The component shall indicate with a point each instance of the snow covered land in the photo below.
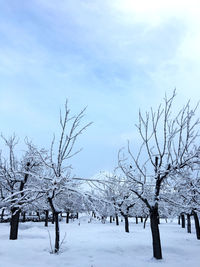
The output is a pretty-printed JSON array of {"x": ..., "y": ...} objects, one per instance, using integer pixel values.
[
  {"x": 98, "y": 77},
  {"x": 98, "y": 245}
]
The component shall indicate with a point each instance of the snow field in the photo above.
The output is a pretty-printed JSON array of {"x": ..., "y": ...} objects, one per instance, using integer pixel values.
[{"x": 98, "y": 245}]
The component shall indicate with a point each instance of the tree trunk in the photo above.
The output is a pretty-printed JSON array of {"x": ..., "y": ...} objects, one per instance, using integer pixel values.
[
  {"x": 110, "y": 219},
  {"x": 182, "y": 220},
  {"x": 57, "y": 233},
  {"x": 77, "y": 215},
  {"x": 126, "y": 224},
  {"x": 136, "y": 219},
  {"x": 38, "y": 214},
  {"x": 157, "y": 251},
  {"x": 14, "y": 224},
  {"x": 179, "y": 220},
  {"x": 197, "y": 227},
  {"x": 23, "y": 216},
  {"x": 2, "y": 214},
  {"x": 53, "y": 219},
  {"x": 67, "y": 217},
  {"x": 188, "y": 224},
  {"x": 46, "y": 218},
  {"x": 141, "y": 219},
  {"x": 117, "y": 220},
  {"x": 146, "y": 218}
]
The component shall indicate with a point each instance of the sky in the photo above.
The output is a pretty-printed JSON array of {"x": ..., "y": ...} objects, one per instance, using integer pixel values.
[{"x": 113, "y": 56}]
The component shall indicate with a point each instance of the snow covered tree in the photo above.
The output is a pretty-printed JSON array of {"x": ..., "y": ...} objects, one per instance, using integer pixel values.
[
  {"x": 18, "y": 184},
  {"x": 169, "y": 146},
  {"x": 57, "y": 179}
]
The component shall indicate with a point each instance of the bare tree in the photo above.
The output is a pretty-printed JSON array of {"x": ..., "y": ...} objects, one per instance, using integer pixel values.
[
  {"x": 169, "y": 145},
  {"x": 57, "y": 179}
]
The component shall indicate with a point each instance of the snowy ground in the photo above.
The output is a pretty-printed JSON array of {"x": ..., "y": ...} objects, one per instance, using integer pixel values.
[{"x": 98, "y": 245}]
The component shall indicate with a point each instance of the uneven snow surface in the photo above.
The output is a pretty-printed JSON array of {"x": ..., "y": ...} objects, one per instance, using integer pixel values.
[{"x": 97, "y": 245}]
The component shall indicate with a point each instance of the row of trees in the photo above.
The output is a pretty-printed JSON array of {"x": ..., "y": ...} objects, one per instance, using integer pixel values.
[{"x": 161, "y": 180}]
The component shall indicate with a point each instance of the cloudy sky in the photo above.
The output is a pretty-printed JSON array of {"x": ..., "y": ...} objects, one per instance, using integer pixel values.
[{"x": 114, "y": 56}]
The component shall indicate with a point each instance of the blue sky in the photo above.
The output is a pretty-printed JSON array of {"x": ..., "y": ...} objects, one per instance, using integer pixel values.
[{"x": 114, "y": 56}]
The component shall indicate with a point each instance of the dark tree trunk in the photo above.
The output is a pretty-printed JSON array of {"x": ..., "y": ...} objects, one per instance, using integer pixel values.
[
  {"x": 57, "y": 232},
  {"x": 188, "y": 224},
  {"x": 14, "y": 223},
  {"x": 157, "y": 251},
  {"x": 2, "y": 214},
  {"x": 77, "y": 215},
  {"x": 23, "y": 216},
  {"x": 136, "y": 219},
  {"x": 38, "y": 214},
  {"x": 141, "y": 219},
  {"x": 113, "y": 219},
  {"x": 46, "y": 218},
  {"x": 182, "y": 220},
  {"x": 15, "y": 212},
  {"x": 197, "y": 227},
  {"x": 145, "y": 221},
  {"x": 126, "y": 224},
  {"x": 117, "y": 220},
  {"x": 53, "y": 219},
  {"x": 67, "y": 217},
  {"x": 110, "y": 219},
  {"x": 179, "y": 220}
]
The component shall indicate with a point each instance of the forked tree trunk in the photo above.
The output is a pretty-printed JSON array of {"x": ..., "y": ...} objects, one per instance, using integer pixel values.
[
  {"x": 117, "y": 220},
  {"x": 157, "y": 251},
  {"x": 197, "y": 227},
  {"x": 126, "y": 224},
  {"x": 188, "y": 224},
  {"x": 14, "y": 224},
  {"x": 67, "y": 217},
  {"x": 46, "y": 218},
  {"x": 182, "y": 220}
]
